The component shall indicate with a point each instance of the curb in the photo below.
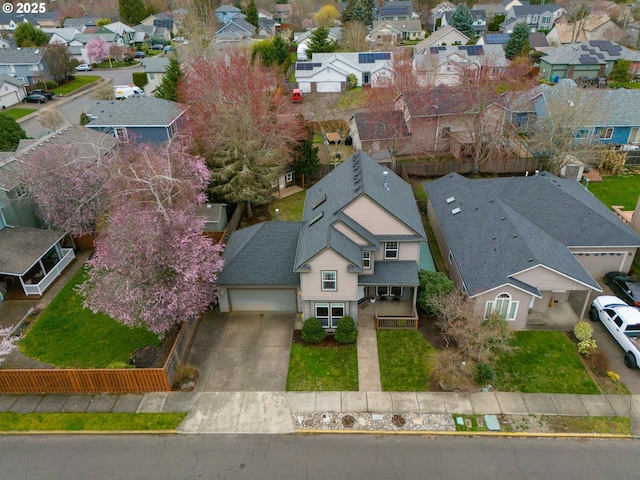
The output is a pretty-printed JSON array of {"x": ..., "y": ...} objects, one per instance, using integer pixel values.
[
  {"x": 91, "y": 432},
  {"x": 470, "y": 434}
]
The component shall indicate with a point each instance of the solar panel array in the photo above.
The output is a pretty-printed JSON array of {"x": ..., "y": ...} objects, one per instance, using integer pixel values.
[
  {"x": 394, "y": 11},
  {"x": 496, "y": 39},
  {"x": 435, "y": 50},
  {"x": 607, "y": 46},
  {"x": 472, "y": 50},
  {"x": 307, "y": 66},
  {"x": 373, "y": 57}
]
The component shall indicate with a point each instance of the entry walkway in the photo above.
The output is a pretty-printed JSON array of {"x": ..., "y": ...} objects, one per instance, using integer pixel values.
[{"x": 368, "y": 362}]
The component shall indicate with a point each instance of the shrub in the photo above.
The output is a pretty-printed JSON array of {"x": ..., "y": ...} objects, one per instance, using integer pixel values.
[
  {"x": 432, "y": 284},
  {"x": 483, "y": 374},
  {"x": 140, "y": 79},
  {"x": 50, "y": 85},
  {"x": 586, "y": 347},
  {"x": 352, "y": 81},
  {"x": 614, "y": 376},
  {"x": 312, "y": 331},
  {"x": 84, "y": 119},
  {"x": 346, "y": 332},
  {"x": 599, "y": 362},
  {"x": 184, "y": 373},
  {"x": 448, "y": 370},
  {"x": 582, "y": 331}
]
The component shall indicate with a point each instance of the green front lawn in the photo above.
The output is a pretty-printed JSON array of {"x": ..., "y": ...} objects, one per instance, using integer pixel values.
[
  {"x": 353, "y": 98},
  {"x": 543, "y": 362},
  {"x": 403, "y": 357},
  {"x": 69, "y": 336},
  {"x": 315, "y": 368},
  {"x": 17, "y": 113},
  {"x": 20, "y": 422},
  {"x": 621, "y": 190},
  {"x": 290, "y": 207},
  {"x": 73, "y": 85}
]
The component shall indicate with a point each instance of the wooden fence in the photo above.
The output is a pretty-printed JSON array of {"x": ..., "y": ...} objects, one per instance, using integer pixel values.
[
  {"x": 232, "y": 226},
  {"x": 127, "y": 380}
]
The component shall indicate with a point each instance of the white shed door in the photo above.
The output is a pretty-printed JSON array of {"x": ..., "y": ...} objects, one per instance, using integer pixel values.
[
  {"x": 325, "y": 87},
  {"x": 262, "y": 299}
]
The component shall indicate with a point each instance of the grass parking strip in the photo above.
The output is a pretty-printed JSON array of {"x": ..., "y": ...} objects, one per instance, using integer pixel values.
[{"x": 74, "y": 422}]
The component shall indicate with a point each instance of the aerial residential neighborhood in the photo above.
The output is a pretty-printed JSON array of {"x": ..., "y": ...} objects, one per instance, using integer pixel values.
[{"x": 300, "y": 217}]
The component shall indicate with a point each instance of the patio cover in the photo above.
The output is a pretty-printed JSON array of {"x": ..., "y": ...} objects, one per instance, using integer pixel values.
[
  {"x": 400, "y": 273},
  {"x": 22, "y": 247}
]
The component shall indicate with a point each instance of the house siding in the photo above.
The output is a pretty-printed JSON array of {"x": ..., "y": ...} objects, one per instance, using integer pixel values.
[
  {"x": 523, "y": 299},
  {"x": 311, "y": 282},
  {"x": 375, "y": 219},
  {"x": 350, "y": 234}
]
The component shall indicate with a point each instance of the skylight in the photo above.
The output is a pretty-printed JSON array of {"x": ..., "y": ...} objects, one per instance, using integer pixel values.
[
  {"x": 320, "y": 201},
  {"x": 316, "y": 218}
]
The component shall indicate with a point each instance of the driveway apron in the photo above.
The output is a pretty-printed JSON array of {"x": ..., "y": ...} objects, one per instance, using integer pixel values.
[{"x": 243, "y": 351}]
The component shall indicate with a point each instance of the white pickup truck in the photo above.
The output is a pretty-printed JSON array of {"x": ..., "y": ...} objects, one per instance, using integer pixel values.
[{"x": 623, "y": 322}]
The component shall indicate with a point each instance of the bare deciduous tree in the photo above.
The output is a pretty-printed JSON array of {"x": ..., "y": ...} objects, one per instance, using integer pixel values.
[
  {"x": 51, "y": 119},
  {"x": 354, "y": 37}
]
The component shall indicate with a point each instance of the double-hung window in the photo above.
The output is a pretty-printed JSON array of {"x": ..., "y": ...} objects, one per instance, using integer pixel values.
[
  {"x": 391, "y": 250},
  {"x": 329, "y": 280},
  {"x": 366, "y": 260}
]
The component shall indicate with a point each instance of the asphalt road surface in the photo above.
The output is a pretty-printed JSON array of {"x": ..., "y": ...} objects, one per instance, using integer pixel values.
[{"x": 313, "y": 457}]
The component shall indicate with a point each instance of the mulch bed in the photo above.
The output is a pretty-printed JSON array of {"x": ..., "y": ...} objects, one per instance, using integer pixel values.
[{"x": 328, "y": 342}]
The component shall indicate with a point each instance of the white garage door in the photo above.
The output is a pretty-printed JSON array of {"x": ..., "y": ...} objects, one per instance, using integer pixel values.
[
  {"x": 262, "y": 300},
  {"x": 328, "y": 87},
  {"x": 305, "y": 87},
  {"x": 599, "y": 263}
]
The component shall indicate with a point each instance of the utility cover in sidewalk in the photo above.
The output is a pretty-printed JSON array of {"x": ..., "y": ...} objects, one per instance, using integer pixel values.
[{"x": 492, "y": 423}]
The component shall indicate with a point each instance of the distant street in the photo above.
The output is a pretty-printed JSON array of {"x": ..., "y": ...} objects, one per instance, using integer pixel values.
[
  {"x": 73, "y": 108},
  {"x": 312, "y": 457}
]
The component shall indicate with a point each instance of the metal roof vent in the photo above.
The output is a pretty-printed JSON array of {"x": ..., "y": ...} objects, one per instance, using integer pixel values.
[
  {"x": 455, "y": 211},
  {"x": 385, "y": 176}
]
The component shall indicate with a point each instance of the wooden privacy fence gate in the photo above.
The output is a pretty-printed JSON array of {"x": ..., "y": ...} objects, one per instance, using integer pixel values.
[{"x": 127, "y": 380}]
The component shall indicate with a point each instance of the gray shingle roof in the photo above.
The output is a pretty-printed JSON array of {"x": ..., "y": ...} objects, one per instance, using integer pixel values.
[
  {"x": 507, "y": 225},
  {"x": 6, "y": 78},
  {"x": 358, "y": 176},
  {"x": 155, "y": 64},
  {"x": 402, "y": 273},
  {"x": 21, "y": 247},
  {"x": 21, "y": 56},
  {"x": 134, "y": 111},
  {"x": 591, "y": 52},
  {"x": 262, "y": 254}
]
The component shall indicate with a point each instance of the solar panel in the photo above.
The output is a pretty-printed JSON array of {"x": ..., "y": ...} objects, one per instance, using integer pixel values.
[
  {"x": 366, "y": 58},
  {"x": 600, "y": 56},
  {"x": 307, "y": 66},
  {"x": 434, "y": 50},
  {"x": 587, "y": 59},
  {"x": 584, "y": 47}
]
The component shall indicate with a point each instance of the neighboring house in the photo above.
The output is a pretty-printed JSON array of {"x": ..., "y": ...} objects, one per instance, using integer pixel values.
[
  {"x": 597, "y": 26},
  {"x": 155, "y": 68},
  {"x": 235, "y": 29},
  {"x": 610, "y": 116},
  {"x": 327, "y": 72},
  {"x": 479, "y": 21},
  {"x": 77, "y": 45},
  {"x": 143, "y": 119},
  {"x": 7, "y": 43},
  {"x": 81, "y": 23},
  {"x": 125, "y": 31},
  {"x": 443, "y": 7},
  {"x": 25, "y": 64},
  {"x": 360, "y": 237},
  {"x": 434, "y": 116},
  {"x": 537, "y": 17},
  {"x": 282, "y": 12},
  {"x": 302, "y": 40},
  {"x": 538, "y": 41},
  {"x": 32, "y": 256},
  {"x": 287, "y": 179},
  {"x": 507, "y": 5},
  {"x": 391, "y": 32},
  {"x": 493, "y": 39},
  {"x": 375, "y": 132},
  {"x": 520, "y": 244},
  {"x": 226, "y": 13},
  {"x": 9, "y": 21},
  {"x": 12, "y": 90},
  {"x": 61, "y": 35},
  {"x": 396, "y": 10},
  {"x": 443, "y": 36},
  {"x": 592, "y": 59},
  {"x": 443, "y": 65},
  {"x": 169, "y": 21}
]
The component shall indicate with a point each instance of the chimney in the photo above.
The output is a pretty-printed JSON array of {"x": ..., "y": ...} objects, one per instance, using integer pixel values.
[{"x": 385, "y": 175}]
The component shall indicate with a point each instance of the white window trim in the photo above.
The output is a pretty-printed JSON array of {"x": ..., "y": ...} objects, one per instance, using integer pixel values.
[
  {"x": 329, "y": 280},
  {"x": 290, "y": 177},
  {"x": 330, "y": 318},
  {"x": 366, "y": 260},
  {"x": 511, "y": 307},
  {"x": 388, "y": 250},
  {"x": 21, "y": 191},
  {"x": 606, "y": 133}
]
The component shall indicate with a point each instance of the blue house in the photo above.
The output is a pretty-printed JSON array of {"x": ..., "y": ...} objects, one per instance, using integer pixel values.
[
  {"x": 137, "y": 118},
  {"x": 607, "y": 116},
  {"x": 226, "y": 13},
  {"x": 26, "y": 64}
]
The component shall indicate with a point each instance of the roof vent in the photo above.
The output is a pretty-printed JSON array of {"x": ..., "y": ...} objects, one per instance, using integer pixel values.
[
  {"x": 451, "y": 199},
  {"x": 455, "y": 211},
  {"x": 385, "y": 176}
]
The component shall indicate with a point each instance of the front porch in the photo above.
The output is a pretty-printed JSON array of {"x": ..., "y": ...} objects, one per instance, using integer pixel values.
[{"x": 394, "y": 313}]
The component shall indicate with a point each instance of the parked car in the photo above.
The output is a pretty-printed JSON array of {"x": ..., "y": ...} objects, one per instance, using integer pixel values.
[
  {"x": 624, "y": 286},
  {"x": 35, "y": 98},
  {"x": 139, "y": 54},
  {"x": 157, "y": 46},
  {"x": 46, "y": 93},
  {"x": 168, "y": 48},
  {"x": 83, "y": 67},
  {"x": 623, "y": 323}
]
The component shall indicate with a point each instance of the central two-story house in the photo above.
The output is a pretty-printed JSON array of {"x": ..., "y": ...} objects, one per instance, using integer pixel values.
[{"x": 360, "y": 239}]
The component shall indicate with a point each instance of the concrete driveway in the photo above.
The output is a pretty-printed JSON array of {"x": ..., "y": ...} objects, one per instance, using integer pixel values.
[{"x": 237, "y": 352}]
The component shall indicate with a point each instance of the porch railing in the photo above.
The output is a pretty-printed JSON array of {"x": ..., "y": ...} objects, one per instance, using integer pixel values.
[
  {"x": 389, "y": 322},
  {"x": 56, "y": 271}
]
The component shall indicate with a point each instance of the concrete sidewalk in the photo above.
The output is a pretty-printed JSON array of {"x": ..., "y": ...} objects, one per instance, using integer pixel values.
[{"x": 276, "y": 412}]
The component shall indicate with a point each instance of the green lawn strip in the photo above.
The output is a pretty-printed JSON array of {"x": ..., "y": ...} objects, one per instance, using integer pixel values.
[
  {"x": 69, "y": 336},
  {"x": 22, "y": 422},
  {"x": 622, "y": 190},
  {"x": 73, "y": 85},
  {"x": 543, "y": 362},
  {"x": 566, "y": 424},
  {"x": 630, "y": 85},
  {"x": 17, "y": 113},
  {"x": 403, "y": 356},
  {"x": 290, "y": 208},
  {"x": 351, "y": 98},
  {"x": 313, "y": 368},
  {"x": 115, "y": 64},
  {"x": 472, "y": 420}
]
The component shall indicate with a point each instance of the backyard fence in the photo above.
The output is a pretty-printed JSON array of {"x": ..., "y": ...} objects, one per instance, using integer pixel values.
[
  {"x": 232, "y": 226},
  {"x": 126, "y": 380}
]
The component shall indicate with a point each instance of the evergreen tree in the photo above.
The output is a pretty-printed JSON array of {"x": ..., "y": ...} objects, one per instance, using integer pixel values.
[
  {"x": 462, "y": 20},
  {"x": 252, "y": 13},
  {"x": 132, "y": 12},
  {"x": 368, "y": 7},
  {"x": 281, "y": 53},
  {"x": 27, "y": 35},
  {"x": 348, "y": 13},
  {"x": 319, "y": 42},
  {"x": 518, "y": 43},
  {"x": 305, "y": 157},
  {"x": 10, "y": 133},
  {"x": 168, "y": 88}
]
